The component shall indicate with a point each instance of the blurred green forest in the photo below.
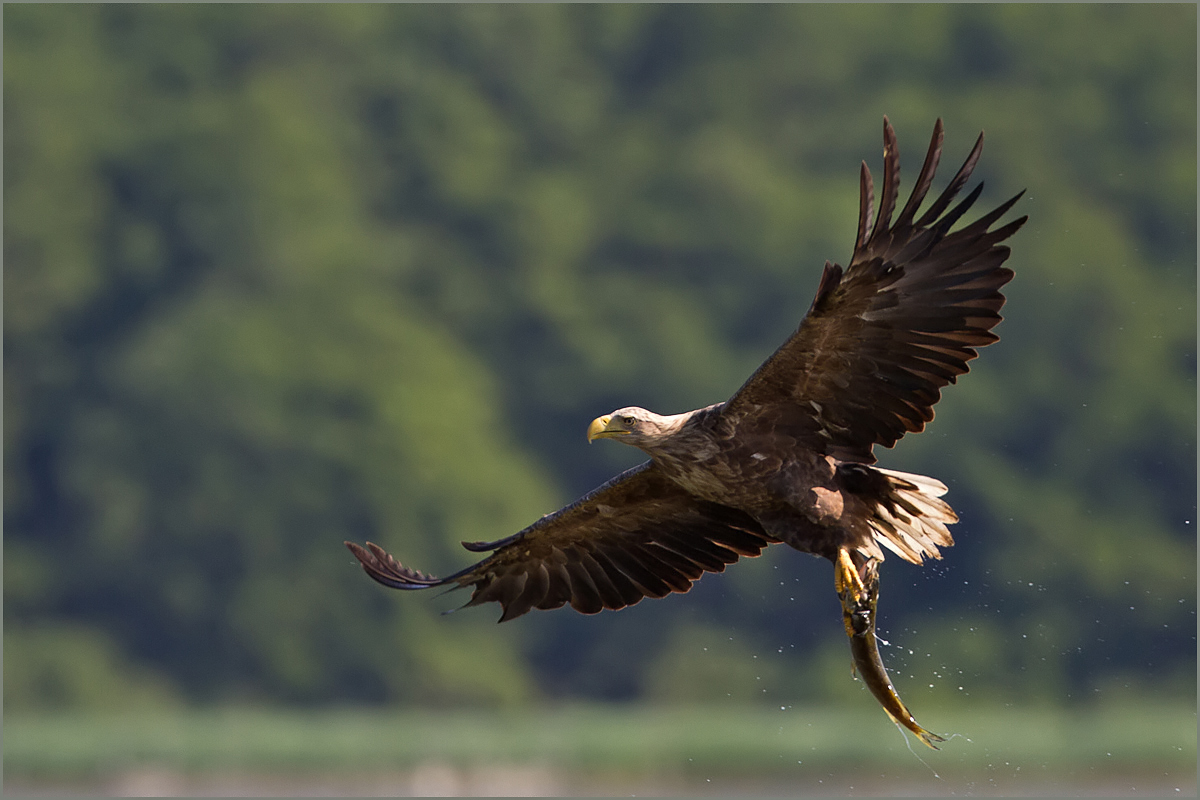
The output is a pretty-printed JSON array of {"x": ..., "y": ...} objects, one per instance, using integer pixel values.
[{"x": 282, "y": 275}]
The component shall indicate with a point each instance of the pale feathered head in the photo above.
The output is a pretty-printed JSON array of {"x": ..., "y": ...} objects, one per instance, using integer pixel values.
[{"x": 635, "y": 426}]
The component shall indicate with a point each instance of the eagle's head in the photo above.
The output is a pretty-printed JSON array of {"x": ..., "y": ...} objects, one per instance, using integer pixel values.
[{"x": 635, "y": 426}]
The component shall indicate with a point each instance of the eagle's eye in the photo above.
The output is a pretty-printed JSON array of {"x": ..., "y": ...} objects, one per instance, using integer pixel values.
[{"x": 629, "y": 421}]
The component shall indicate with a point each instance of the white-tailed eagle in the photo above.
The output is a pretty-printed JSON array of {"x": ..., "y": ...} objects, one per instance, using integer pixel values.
[{"x": 788, "y": 458}]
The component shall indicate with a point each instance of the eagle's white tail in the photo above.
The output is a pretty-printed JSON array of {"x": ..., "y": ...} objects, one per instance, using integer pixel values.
[{"x": 912, "y": 520}]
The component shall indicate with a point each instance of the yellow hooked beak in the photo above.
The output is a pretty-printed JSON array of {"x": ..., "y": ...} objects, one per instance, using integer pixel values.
[{"x": 600, "y": 428}]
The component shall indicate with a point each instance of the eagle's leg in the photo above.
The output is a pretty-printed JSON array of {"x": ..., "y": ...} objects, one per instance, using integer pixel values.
[{"x": 846, "y": 580}]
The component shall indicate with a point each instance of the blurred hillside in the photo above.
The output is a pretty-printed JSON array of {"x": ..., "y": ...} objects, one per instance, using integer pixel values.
[{"x": 278, "y": 276}]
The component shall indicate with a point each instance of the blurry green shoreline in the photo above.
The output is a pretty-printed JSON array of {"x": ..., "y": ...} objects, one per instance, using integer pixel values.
[{"x": 737, "y": 741}]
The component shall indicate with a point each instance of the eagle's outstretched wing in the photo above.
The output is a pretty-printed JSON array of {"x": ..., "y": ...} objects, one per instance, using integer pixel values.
[
  {"x": 639, "y": 535},
  {"x": 883, "y": 337}
]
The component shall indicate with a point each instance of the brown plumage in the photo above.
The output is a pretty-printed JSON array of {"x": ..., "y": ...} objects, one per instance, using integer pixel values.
[
  {"x": 639, "y": 535},
  {"x": 788, "y": 457}
]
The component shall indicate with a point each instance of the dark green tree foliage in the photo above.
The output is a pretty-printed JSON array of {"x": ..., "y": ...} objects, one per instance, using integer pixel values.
[{"x": 278, "y": 276}]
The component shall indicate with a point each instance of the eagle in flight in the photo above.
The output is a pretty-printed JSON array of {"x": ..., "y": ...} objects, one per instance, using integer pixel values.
[{"x": 788, "y": 458}]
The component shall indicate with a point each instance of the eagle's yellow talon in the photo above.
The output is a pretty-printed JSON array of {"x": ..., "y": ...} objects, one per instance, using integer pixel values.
[{"x": 847, "y": 581}]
